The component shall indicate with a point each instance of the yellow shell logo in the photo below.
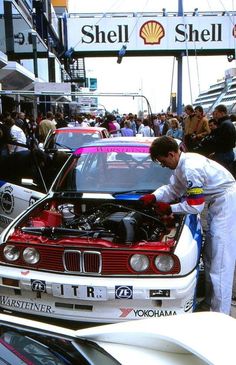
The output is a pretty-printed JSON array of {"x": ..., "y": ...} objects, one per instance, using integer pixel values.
[{"x": 152, "y": 32}]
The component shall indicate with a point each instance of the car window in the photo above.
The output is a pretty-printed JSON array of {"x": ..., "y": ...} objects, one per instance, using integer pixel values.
[
  {"x": 35, "y": 347},
  {"x": 105, "y": 170},
  {"x": 71, "y": 140}
]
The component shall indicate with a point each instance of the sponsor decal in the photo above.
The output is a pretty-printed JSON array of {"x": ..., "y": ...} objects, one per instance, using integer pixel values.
[
  {"x": 146, "y": 313},
  {"x": 125, "y": 312},
  {"x": 159, "y": 293},
  {"x": 188, "y": 305},
  {"x": 5, "y": 220},
  {"x": 24, "y": 305},
  {"x": 32, "y": 200},
  {"x": 107, "y": 149},
  {"x": 38, "y": 286},
  {"x": 7, "y": 199},
  {"x": 123, "y": 292},
  {"x": 25, "y": 272},
  {"x": 189, "y": 183}
]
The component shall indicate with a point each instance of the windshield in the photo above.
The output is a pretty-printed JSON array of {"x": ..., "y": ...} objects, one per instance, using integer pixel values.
[
  {"x": 69, "y": 139},
  {"x": 111, "y": 169}
]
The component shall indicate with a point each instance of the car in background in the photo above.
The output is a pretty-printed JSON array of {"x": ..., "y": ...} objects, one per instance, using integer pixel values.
[
  {"x": 70, "y": 138},
  {"x": 89, "y": 251},
  {"x": 15, "y": 197},
  {"x": 176, "y": 340}
]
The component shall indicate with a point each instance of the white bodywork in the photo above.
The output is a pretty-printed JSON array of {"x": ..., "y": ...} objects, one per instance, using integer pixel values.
[
  {"x": 15, "y": 199},
  {"x": 196, "y": 339}
]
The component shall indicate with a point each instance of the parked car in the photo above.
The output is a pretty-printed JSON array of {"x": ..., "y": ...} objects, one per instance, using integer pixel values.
[
  {"x": 89, "y": 251},
  {"x": 18, "y": 193},
  {"x": 70, "y": 138},
  {"x": 196, "y": 339}
]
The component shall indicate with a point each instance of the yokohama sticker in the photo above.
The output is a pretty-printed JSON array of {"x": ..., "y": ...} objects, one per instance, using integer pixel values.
[
  {"x": 146, "y": 313},
  {"x": 24, "y": 305}
]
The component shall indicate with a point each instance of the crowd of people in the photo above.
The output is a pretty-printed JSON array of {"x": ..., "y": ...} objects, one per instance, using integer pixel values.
[{"x": 212, "y": 136}]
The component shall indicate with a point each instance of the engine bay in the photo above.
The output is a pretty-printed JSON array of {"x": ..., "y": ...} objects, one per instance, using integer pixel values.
[{"x": 115, "y": 221}]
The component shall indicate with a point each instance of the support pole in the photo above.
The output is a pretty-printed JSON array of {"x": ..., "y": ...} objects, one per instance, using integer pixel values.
[
  {"x": 34, "y": 47},
  {"x": 179, "y": 68},
  {"x": 179, "y": 84}
]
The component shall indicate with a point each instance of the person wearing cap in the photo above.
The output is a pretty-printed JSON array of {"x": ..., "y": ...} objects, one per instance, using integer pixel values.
[{"x": 197, "y": 181}]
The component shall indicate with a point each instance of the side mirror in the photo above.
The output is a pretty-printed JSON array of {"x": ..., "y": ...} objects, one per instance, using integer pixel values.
[{"x": 28, "y": 182}]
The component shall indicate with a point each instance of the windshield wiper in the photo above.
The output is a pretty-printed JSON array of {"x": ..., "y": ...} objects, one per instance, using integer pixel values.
[
  {"x": 142, "y": 191},
  {"x": 63, "y": 146}
]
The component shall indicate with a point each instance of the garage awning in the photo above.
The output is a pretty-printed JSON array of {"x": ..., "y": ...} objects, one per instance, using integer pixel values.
[
  {"x": 3, "y": 59},
  {"x": 13, "y": 76}
]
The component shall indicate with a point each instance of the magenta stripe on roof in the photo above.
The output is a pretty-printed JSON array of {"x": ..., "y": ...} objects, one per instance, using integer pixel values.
[{"x": 106, "y": 149}]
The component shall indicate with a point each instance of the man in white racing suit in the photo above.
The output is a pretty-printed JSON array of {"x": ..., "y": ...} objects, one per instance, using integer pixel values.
[{"x": 199, "y": 180}]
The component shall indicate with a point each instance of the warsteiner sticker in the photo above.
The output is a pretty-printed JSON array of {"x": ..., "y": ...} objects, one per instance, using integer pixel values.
[
  {"x": 25, "y": 305},
  {"x": 7, "y": 199}
]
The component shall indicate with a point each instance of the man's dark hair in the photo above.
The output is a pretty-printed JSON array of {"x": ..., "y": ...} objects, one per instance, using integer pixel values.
[
  {"x": 199, "y": 108},
  {"x": 50, "y": 115},
  {"x": 161, "y": 146},
  {"x": 221, "y": 108},
  {"x": 189, "y": 107}
]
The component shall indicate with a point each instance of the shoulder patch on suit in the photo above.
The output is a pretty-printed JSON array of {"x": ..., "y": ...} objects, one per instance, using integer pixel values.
[{"x": 189, "y": 183}]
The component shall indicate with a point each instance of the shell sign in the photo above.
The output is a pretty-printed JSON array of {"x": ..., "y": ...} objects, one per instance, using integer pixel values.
[{"x": 152, "y": 32}]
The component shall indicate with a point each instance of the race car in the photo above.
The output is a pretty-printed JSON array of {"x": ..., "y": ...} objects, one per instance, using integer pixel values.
[
  {"x": 90, "y": 251},
  {"x": 68, "y": 139}
]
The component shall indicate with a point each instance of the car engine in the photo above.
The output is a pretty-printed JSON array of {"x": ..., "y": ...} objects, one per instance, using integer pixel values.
[{"x": 114, "y": 222}]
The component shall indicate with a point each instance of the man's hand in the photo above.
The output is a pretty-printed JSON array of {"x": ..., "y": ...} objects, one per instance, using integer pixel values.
[
  {"x": 148, "y": 199},
  {"x": 163, "y": 208}
]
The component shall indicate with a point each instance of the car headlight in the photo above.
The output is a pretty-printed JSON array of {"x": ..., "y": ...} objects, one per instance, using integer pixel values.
[
  {"x": 31, "y": 255},
  {"x": 164, "y": 263},
  {"x": 139, "y": 262},
  {"x": 11, "y": 253}
]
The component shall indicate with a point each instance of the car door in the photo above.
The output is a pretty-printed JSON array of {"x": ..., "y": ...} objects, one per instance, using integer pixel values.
[{"x": 14, "y": 199}]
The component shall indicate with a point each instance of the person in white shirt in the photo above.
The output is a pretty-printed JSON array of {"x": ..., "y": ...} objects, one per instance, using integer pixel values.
[
  {"x": 140, "y": 126},
  {"x": 17, "y": 135},
  {"x": 147, "y": 131}
]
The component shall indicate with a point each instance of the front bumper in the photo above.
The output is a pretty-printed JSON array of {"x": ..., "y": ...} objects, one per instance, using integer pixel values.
[{"x": 95, "y": 299}]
